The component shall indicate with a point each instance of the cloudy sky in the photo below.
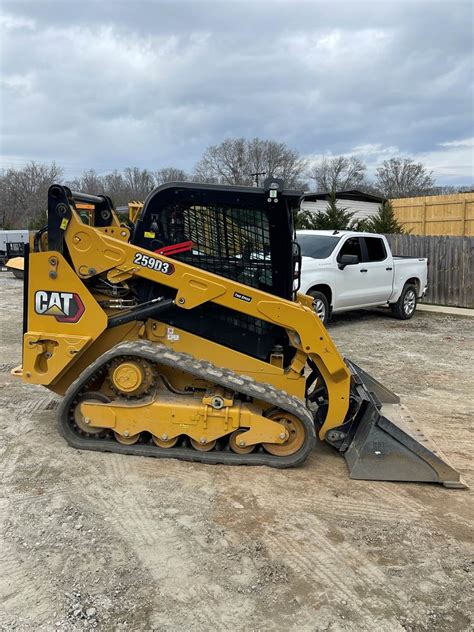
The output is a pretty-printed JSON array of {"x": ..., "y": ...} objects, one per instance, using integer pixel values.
[{"x": 107, "y": 84}]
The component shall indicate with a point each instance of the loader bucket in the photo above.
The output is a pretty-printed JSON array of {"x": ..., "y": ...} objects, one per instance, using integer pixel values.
[
  {"x": 387, "y": 444},
  {"x": 17, "y": 266}
]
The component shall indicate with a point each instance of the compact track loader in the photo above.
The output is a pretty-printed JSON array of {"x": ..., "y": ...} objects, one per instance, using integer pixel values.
[{"x": 184, "y": 337}]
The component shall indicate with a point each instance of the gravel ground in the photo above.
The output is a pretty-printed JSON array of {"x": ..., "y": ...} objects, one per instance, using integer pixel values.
[{"x": 110, "y": 542}]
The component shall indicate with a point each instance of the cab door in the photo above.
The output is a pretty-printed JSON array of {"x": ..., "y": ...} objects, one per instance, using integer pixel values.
[
  {"x": 379, "y": 265},
  {"x": 350, "y": 283}
]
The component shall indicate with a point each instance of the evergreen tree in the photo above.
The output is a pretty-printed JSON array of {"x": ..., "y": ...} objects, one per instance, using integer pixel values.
[
  {"x": 362, "y": 225},
  {"x": 304, "y": 219},
  {"x": 333, "y": 217},
  {"x": 385, "y": 221}
]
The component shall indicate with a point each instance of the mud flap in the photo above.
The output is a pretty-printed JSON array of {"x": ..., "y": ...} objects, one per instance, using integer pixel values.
[{"x": 385, "y": 442}]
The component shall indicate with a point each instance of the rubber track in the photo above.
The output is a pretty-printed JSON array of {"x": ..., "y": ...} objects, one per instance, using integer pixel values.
[{"x": 205, "y": 370}]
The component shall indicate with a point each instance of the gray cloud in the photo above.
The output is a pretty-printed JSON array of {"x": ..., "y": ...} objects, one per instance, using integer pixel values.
[{"x": 109, "y": 84}]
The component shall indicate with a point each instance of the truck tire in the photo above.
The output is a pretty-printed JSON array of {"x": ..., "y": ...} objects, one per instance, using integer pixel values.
[
  {"x": 405, "y": 307},
  {"x": 321, "y": 305}
]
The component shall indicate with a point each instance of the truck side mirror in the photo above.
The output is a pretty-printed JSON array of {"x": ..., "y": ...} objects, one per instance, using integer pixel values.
[{"x": 347, "y": 260}]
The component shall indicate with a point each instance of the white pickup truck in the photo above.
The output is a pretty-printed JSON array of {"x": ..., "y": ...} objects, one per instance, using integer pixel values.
[{"x": 345, "y": 270}]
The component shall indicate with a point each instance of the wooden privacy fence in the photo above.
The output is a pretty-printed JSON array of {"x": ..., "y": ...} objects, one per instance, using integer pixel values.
[
  {"x": 450, "y": 266},
  {"x": 437, "y": 214}
]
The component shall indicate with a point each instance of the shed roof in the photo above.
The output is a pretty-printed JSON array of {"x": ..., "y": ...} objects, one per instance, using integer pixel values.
[{"x": 349, "y": 194}]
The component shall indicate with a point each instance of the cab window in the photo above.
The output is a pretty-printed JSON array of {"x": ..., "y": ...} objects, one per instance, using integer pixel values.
[
  {"x": 375, "y": 249},
  {"x": 351, "y": 246}
]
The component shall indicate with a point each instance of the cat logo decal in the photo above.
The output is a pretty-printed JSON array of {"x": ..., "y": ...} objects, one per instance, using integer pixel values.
[{"x": 66, "y": 307}]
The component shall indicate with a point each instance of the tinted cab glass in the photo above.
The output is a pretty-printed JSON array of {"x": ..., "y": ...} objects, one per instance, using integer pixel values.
[
  {"x": 375, "y": 249},
  {"x": 317, "y": 246},
  {"x": 351, "y": 246}
]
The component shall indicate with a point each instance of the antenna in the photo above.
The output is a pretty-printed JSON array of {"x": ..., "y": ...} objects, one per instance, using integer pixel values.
[{"x": 256, "y": 177}]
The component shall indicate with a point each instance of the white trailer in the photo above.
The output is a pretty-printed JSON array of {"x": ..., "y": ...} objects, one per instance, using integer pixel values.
[{"x": 11, "y": 243}]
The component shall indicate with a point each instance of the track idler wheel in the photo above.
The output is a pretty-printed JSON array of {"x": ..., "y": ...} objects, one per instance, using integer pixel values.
[
  {"x": 296, "y": 435},
  {"x": 235, "y": 444},
  {"x": 82, "y": 422}
]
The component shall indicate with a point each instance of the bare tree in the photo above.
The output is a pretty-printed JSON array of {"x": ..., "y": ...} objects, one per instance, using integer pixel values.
[
  {"x": 116, "y": 188},
  {"x": 89, "y": 182},
  {"x": 448, "y": 189},
  {"x": 170, "y": 174},
  {"x": 24, "y": 193},
  {"x": 236, "y": 159},
  {"x": 112, "y": 184},
  {"x": 8, "y": 210},
  {"x": 133, "y": 184},
  {"x": 139, "y": 182},
  {"x": 403, "y": 177},
  {"x": 338, "y": 174},
  {"x": 225, "y": 163}
]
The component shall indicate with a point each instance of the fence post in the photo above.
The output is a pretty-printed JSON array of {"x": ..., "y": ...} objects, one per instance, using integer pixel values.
[
  {"x": 423, "y": 218},
  {"x": 463, "y": 218}
]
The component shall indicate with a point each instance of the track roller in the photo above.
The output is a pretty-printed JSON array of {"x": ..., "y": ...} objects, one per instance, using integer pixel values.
[
  {"x": 127, "y": 440},
  {"x": 164, "y": 443},
  {"x": 203, "y": 447},
  {"x": 236, "y": 445}
]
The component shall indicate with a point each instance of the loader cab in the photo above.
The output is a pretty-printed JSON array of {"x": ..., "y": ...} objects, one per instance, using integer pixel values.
[{"x": 241, "y": 233}]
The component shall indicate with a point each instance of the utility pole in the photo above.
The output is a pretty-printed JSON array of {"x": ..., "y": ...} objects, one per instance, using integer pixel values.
[{"x": 256, "y": 176}]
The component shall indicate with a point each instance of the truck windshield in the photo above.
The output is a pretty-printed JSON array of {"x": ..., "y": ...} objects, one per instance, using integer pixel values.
[{"x": 317, "y": 246}]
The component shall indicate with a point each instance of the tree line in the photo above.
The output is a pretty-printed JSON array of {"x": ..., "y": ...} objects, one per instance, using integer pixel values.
[{"x": 235, "y": 161}]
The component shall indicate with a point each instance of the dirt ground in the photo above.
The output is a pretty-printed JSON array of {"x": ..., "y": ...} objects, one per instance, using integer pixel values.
[{"x": 110, "y": 542}]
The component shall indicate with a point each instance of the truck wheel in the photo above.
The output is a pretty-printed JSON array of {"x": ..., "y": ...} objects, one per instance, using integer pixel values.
[
  {"x": 320, "y": 305},
  {"x": 405, "y": 307}
]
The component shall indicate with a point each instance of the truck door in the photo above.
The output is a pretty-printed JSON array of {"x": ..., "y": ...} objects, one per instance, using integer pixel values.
[
  {"x": 378, "y": 266},
  {"x": 350, "y": 282}
]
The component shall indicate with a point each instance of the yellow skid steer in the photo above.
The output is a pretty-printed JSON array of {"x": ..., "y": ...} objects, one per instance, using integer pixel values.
[{"x": 185, "y": 337}]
